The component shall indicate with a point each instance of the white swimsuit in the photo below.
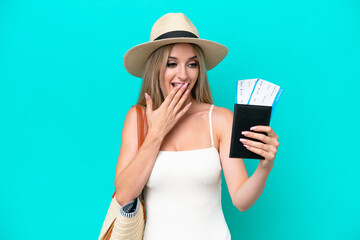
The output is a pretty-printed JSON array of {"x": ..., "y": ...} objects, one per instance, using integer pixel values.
[{"x": 183, "y": 196}]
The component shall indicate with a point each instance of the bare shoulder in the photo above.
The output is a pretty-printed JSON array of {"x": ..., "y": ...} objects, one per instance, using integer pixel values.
[
  {"x": 132, "y": 113},
  {"x": 222, "y": 116},
  {"x": 130, "y": 118},
  {"x": 130, "y": 126},
  {"x": 222, "y": 112}
]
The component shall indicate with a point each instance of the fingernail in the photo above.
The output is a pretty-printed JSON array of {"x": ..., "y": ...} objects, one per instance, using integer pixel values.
[
  {"x": 184, "y": 85},
  {"x": 187, "y": 92},
  {"x": 245, "y": 133},
  {"x": 146, "y": 96},
  {"x": 243, "y": 140},
  {"x": 247, "y": 146},
  {"x": 253, "y": 128}
]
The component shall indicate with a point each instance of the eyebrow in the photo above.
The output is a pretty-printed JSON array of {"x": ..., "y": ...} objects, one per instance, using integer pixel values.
[{"x": 189, "y": 58}]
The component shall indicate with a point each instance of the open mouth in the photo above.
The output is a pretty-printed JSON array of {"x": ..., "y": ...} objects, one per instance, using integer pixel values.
[{"x": 176, "y": 84}]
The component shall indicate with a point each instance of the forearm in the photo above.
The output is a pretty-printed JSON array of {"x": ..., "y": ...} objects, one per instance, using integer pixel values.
[
  {"x": 250, "y": 191},
  {"x": 131, "y": 181}
]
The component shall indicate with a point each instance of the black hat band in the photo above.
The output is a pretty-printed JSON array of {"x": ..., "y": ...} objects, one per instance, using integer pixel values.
[{"x": 176, "y": 34}]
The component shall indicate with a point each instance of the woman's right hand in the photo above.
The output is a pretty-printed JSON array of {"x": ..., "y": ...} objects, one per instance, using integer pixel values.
[{"x": 163, "y": 119}]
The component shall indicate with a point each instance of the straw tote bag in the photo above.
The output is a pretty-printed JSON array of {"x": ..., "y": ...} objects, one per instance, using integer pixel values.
[{"x": 118, "y": 223}]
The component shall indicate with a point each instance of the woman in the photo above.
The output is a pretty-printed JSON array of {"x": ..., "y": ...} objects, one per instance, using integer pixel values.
[{"x": 188, "y": 141}]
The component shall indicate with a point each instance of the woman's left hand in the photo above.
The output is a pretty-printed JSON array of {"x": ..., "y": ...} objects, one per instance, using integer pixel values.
[{"x": 266, "y": 148}]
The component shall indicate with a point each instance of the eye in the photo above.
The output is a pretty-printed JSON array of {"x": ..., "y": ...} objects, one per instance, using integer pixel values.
[
  {"x": 193, "y": 65},
  {"x": 171, "y": 64}
]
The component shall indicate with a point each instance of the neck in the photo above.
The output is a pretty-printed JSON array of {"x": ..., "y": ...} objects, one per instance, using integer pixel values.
[{"x": 192, "y": 107}]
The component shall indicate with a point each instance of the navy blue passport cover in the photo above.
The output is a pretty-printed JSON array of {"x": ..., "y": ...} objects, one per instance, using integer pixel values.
[{"x": 245, "y": 117}]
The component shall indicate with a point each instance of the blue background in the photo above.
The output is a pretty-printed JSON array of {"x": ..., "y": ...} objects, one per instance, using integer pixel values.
[{"x": 64, "y": 94}]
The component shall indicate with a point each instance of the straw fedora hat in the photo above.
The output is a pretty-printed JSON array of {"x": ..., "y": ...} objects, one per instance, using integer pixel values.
[{"x": 172, "y": 28}]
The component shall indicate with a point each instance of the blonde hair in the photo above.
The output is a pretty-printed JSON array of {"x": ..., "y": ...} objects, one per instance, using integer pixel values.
[{"x": 154, "y": 75}]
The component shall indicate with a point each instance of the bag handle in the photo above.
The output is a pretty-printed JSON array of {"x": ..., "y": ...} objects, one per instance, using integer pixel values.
[{"x": 141, "y": 125}]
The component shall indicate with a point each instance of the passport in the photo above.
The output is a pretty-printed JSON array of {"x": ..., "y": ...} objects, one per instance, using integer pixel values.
[{"x": 245, "y": 117}]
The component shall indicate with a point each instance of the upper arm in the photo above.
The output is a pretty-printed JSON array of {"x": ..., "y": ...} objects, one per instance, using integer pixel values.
[
  {"x": 234, "y": 168},
  {"x": 129, "y": 145}
]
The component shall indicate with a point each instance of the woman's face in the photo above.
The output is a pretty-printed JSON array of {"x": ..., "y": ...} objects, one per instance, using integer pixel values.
[{"x": 182, "y": 67}]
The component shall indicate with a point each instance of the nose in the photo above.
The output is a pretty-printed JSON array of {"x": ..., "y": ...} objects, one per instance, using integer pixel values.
[{"x": 182, "y": 73}]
